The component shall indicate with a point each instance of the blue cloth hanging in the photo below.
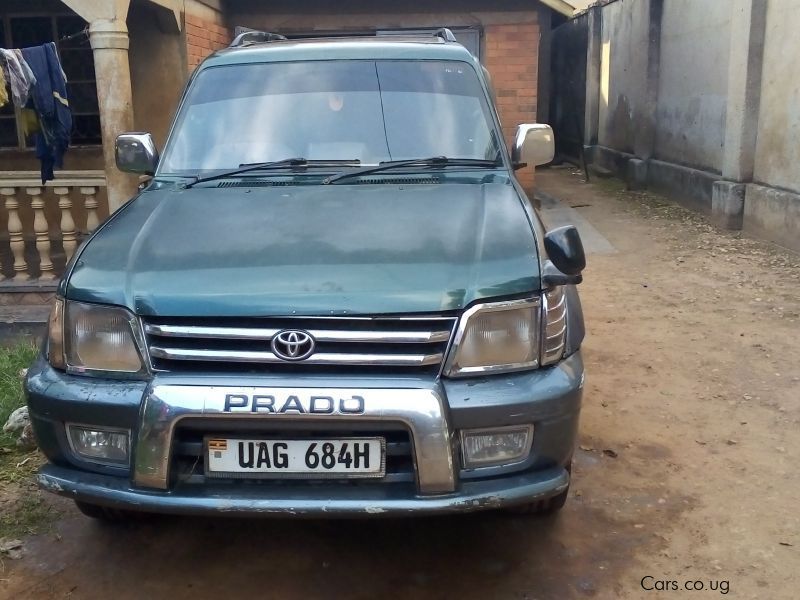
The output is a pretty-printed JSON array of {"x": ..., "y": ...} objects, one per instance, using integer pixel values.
[{"x": 49, "y": 101}]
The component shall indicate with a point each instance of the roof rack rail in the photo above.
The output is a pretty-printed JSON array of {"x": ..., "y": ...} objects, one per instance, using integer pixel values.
[
  {"x": 445, "y": 34},
  {"x": 255, "y": 37}
]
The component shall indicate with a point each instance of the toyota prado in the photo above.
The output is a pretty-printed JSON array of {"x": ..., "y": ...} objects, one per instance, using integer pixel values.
[{"x": 332, "y": 298}]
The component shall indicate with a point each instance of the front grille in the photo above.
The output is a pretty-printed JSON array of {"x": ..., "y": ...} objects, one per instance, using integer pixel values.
[
  {"x": 188, "y": 455},
  {"x": 244, "y": 345}
]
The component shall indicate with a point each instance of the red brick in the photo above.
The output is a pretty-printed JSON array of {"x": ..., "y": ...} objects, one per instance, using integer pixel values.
[
  {"x": 192, "y": 29},
  {"x": 512, "y": 59},
  {"x": 204, "y": 37},
  {"x": 518, "y": 37}
]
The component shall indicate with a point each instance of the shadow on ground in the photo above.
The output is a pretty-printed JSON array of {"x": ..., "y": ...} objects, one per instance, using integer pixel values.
[{"x": 574, "y": 554}]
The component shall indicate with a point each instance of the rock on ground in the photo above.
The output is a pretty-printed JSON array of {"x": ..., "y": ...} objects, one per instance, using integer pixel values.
[{"x": 17, "y": 420}]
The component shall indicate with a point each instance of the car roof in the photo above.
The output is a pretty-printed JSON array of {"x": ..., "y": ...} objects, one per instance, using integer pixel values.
[{"x": 394, "y": 47}]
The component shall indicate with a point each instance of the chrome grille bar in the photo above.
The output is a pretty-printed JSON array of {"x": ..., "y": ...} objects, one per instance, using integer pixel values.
[
  {"x": 403, "y": 342},
  {"x": 319, "y": 358},
  {"x": 320, "y": 335}
]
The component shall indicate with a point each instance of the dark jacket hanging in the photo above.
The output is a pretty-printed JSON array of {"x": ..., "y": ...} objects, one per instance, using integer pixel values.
[{"x": 49, "y": 98}]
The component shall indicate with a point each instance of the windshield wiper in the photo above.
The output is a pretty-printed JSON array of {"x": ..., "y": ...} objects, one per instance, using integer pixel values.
[
  {"x": 275, "y": 164},
  {"x": 434, "y": 161}
]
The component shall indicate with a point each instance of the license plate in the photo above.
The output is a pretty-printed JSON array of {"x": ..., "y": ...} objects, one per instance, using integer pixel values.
[{"x": 303, "y": 459}]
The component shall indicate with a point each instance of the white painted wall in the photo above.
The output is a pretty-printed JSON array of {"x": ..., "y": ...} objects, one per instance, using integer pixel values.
[
  {"x": 693, "y": 83},
  {"x": 710, "y": 101},
  {"x": 622, "y": 73}
]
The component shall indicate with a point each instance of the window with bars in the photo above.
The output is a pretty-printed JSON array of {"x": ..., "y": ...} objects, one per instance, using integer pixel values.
[{"x": 78, "y": 64}]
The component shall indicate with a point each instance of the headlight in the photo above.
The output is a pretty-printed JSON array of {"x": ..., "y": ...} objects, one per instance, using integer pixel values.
[
  {"x": 503, "y": 336},
  {"x": 510, "y": 336},
  {"x": 93, "y": 338}
]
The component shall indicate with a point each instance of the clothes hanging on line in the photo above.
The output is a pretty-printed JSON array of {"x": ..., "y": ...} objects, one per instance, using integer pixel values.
[
  {"x": 3, "y": 92},
  {"x": 39, "y": 89},
  {"x": 49, "y": 100},
  {"x": 18, "y": 75}
]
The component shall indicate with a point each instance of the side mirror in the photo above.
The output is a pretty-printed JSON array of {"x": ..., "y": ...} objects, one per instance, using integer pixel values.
[
  {"x": 136, "y": 153},
  {"x": 565, "y": 249},
  {"x": 533, "y": 145}
]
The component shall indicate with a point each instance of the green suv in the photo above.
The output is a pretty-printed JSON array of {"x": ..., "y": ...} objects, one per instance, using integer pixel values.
[{"x": 332, "y": 297}]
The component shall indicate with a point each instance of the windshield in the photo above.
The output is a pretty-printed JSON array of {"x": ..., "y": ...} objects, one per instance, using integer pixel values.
[{"x": 368, "y": 111}]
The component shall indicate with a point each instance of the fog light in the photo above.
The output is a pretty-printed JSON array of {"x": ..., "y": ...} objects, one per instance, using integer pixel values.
[
  {"x": 104, "y": 446},
  {"x": 496, "y": 446}
]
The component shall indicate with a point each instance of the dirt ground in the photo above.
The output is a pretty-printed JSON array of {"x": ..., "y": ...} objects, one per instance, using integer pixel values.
[{"x": 686, "y": 472}]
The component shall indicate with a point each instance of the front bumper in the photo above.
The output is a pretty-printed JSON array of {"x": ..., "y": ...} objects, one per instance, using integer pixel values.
[
  {"x": 432, "y": 411},
  {"x": 396, "y": 500}
]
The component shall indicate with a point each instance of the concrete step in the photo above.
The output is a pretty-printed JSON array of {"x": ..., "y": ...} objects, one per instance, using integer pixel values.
[
  {"x": 32, "y": 314},
  {"x": 23, "y": 323},
  {"x": 600, "y": 172}
]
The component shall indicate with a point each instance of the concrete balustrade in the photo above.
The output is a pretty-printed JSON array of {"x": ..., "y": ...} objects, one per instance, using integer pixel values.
[{"x": 74, "y": 198}]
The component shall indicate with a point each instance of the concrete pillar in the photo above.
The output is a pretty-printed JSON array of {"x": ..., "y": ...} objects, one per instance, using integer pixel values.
[
  {"x": 644, "y": 144},
  {"x": 748, "y": 29},
  {"x": 594, "y": 57},
  {"x": 108, "y": 35},
  {"x": 636, "y": 174},
  {"x": 109, "y": 40},
  {"x": 727, "y": 204}
]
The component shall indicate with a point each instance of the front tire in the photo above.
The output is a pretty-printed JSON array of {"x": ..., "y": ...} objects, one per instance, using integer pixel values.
[
  {"x": 542, "y": 507},
  {"x": 103, "y": 513},
  {"x": 548, "y": 506}
]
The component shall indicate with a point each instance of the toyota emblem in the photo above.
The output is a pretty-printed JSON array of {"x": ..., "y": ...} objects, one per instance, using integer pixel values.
[{"x": 292, "y": 344}]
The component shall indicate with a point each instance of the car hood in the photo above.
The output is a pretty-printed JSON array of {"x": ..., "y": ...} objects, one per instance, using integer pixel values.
[{"x": 310, "y": 250}]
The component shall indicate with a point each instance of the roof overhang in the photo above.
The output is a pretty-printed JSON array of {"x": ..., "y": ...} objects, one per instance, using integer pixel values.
[{"x": 560, "y": 6}]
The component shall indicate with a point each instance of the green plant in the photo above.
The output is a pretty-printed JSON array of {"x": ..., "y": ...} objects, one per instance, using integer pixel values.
[{"x": 12, "y": 360}]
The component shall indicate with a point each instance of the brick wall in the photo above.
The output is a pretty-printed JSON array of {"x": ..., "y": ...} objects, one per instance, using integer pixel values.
[
  {"x": 511, "y": 56},
  {"x": 203, "y": 37}
]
